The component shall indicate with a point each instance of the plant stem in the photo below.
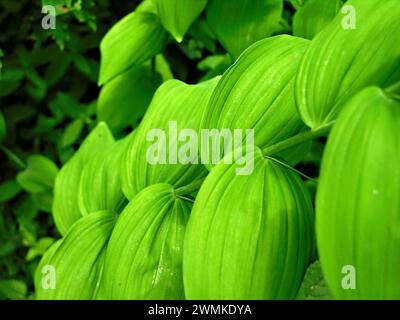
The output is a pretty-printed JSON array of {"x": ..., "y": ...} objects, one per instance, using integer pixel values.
[
  {"x": 298, "y": 139},
  {"x": 283, "y": 164},
  {"x": 13, "y": 157},
  {"x": 188, "y": 189}
]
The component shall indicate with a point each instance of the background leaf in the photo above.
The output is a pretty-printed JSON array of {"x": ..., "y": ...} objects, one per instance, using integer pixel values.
[{"x": 258, "y": 19}]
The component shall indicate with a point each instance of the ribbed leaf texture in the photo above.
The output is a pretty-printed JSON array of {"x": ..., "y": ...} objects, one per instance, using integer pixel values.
[
  {"x": 144, "y": 256},
  {"x": 341, "y": 61},
  {"x": 358, "y": 199},
  {"x": 313, "y": 16},
  {"x": 257, "y": 93},
  {"x": 238, "y": 24},
  {"x": 100, "y": 184},
  {"x": 134, "y": 39},
  {"x": 77, "y": 259},
  {"x": 249, "y": 237},
  {"x": 174, "y": 101},
  {"x": 65, "y": 206}
]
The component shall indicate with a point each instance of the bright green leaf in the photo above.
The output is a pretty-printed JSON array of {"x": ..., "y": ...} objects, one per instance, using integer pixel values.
[
  {"x": 238, "y": 24},
  {"x": 124, "y": 99},
  {"x": 177, "y": 15},
  {"x": 133, "y": 40},
  {"x": 65, "y": 206}
]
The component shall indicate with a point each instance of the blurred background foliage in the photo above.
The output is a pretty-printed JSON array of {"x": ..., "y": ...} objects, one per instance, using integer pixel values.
[{"x": 50, "y": 100}]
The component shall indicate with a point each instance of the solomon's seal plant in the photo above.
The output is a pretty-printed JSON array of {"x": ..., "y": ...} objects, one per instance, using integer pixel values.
[{"x": 153, "y": 202}]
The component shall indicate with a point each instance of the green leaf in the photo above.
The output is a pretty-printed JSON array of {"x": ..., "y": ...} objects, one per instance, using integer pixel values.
[
  {"x": 177, "y": 15},
  {"x": 100, "y": 183},
  {"x": 65, "y": 206},
  {"x": 3, "y": 128},
  {"x": 39, "y": 248},
  {"x": 133, "y": 40},
  {"x": 341, "y": 60},
  {"x": 39, "y": 174},
  {"x": 358, "y": 199},
  {"x": 9, "y": 189},
  {"x": 77, "y": 259},
  {"x": 174, "y": 101},
  {"x": 249, "y": 237},
  {"x": 238, "y": 24},
  {"x": 43, "y": 200},
  {"x": 13, "y": 289},
  {"x": 72, "y": 133},
  {"x": 256, "y": 92},
  {"x": 57, "y": 69},
  {"x": 150, "y": 234},
  {"x": 65, "y": 105},
  {"x": 124, "y": 100},
  {"x": 311, "y": 18}
]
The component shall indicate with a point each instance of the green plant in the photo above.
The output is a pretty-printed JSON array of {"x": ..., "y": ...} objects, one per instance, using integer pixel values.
[{"x": 191, "y": 224}]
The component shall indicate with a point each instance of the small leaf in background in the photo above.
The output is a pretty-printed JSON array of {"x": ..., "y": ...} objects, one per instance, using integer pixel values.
[
  {"x": 87, "y": 66},
  {"x": 65, "y": 105},
  {"x": 3, "y": 128},
  {"x": 163, "y": 68},
  {"x": 56, "y": 69},
  {"x": 72, "y": 133},
  {"x": 214, "y": 65},
  {"x": 39, "y": 174},
  {"x": 258, "y": 19},
  {"x": 9, "y": 189},
  {"x": 43, "y": 200},
  {"x": 38, "y": 87},
  {"x": 133, "y": 40},
  {"x": 1, "y": 62},
  {"x": 10, "y": 81},
  {"x": 13, "y": 289},
  {"x": 124, "y": 100},
  {"x": 313, "y": 16},
  {"x": 39, "y": 248},
  {"x": 177, "y": 15}
]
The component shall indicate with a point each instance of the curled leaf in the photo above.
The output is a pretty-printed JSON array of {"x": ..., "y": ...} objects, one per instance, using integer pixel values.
[
  {"x": 256, "y": 246},
  {"x": 152, "y": 156},
  {"x": 144, "y": 255},
  {"x": 358, "y": 200},
  {"x": 133, "y": 40},
  {"x": 76, "y": 261},
  {"x": 357, "y": 49},
  {"x": 256, "y": 92},
  {"x": 65, "y": 206}
]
